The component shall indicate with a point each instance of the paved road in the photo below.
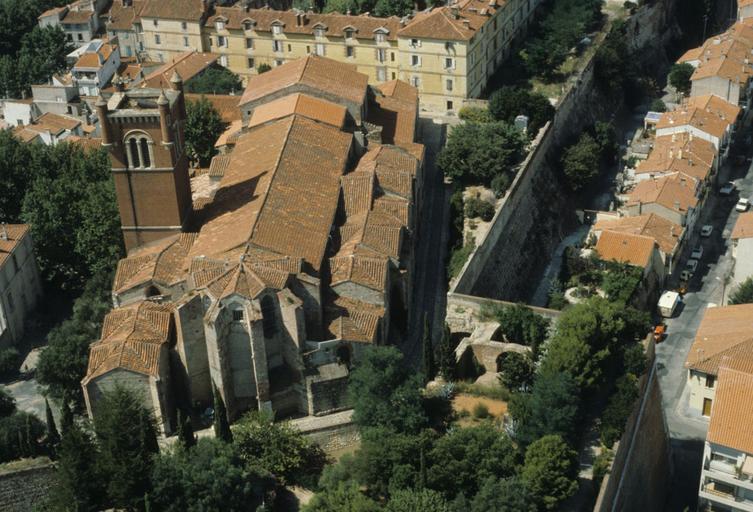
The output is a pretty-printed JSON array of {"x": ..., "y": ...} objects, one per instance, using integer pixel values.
[
  {"x": 707, "y": 289},
  {"x": 429, "y": 297}
]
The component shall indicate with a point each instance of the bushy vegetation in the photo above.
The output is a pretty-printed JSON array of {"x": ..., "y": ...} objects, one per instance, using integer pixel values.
[
  {"x": 679, "y": 77},
  {"x": 743, "y": 294},
  {"x": 582, "y": 161},
  {"x": 203, "y": 127},
  {"x": 518, "y": 323},
  {"x": 475, "y": 115},
  {"x": 10, "y": 358},
  {"x": 478, "y": 208},
  {"x": 619, "y": 408},
  {"x": 215, "y": 80},
  {"x": 508, "y": 102}
]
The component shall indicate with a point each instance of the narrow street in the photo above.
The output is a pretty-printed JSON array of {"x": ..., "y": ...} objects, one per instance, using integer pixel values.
[
  {"x": 429, "y": 287},
  {"x": 687, "y": 429}
]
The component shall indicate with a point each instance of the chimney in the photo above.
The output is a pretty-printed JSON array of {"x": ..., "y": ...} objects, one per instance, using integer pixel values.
[
  {"x": 671, "y": 153},
  {"x": 679, "y": 154},
  {"x": 3, "y": 232},
  {"x": 455, "y": 12},
  {"x": 677, "y": 205},
  {"x": 466, "y": 23},
  {"x": 298, "y": 19},
  {"x": 164, "y": 112},
  {"x": 176, "y": 84}
]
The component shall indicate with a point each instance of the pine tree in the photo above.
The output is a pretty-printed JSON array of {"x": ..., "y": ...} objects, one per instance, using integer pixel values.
[
  {"x": 78, "y": 484},
  {"x": 221, "y": 424},
  {"x": 428, "y": 347},
  {"x": 53, "y": 437},
  {"x": 186, "y": 437},
  {"x": 446, "y": 355}
]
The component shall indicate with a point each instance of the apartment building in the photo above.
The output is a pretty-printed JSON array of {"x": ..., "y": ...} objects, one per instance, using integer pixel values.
[
  {"x": 20, "y": 287},
  {"x": 79, "y": 20},
  {"x": 124, "y": 24},
  {"x": 742, "y": 249},
  {"x": 447, "y": 53},
  {"x": 171, "y": 27},
  {"x": 727, "y": 471},
  {"x": 95, "y": 67},
  {"x": 744, "y": 9}
]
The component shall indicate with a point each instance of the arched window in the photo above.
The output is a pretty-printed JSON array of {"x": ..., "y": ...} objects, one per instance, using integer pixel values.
[{"x": 139, "y": 151}]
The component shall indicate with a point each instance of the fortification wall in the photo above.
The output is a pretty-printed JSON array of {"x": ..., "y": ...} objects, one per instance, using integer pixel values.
[{"x": 22, "y": 489}]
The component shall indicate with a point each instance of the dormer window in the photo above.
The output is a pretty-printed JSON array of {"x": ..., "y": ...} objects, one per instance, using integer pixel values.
[
  {"x": 277, "y": 30},
  {"x": 248, "y": 25},
  {"x": 415, "y": 43},
  {"x": 380, "y": 37},
  {"x": 183, "y": 25},
  {"x": 219, "y": 25},
  {"x": 319, "y": 32},
  {"x": 349, "y": 33}
]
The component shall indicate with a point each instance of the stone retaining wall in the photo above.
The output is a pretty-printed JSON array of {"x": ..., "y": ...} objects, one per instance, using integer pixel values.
[{"x": 22, "y": 489}]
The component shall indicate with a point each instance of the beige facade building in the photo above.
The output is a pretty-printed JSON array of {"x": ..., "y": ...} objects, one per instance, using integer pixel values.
[
  {"x": 20, "y": 287},
  {"x": 447, "y": 53},
  {"x": 296, "y": 256}
]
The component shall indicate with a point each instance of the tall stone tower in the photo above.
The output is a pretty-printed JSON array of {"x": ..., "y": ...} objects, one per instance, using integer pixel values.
[{"x": 142, "y": 130}]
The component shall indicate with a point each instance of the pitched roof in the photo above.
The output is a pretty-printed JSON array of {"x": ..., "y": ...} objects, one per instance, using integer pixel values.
[
  {"x": 679, "y": 152},
  {"x": 122, "y": 17},
  {"x": 732, "y": 410},
  {"x": 247, "y": 277},
  {"x": 675, "y": 192},
  {"x": 370, "y": 272},
  {"x": 227, "y": 138},
  {"x": 455, "y": 23},
  {"x": 301, "y": 104},
  {"x": 10, "y": 236},
  {"x": 54, "y": 123},
  {"x": 77, "y": 16},
  {"x": 95, "y": 59},
  {"x": 726, "y": 67},
  {"x": 184, "y": 10},
  {"x": 86, "y": 143},
  {"x": 354, "y": 320},
  {"x": 279, "y": 192},
  {"x": 395, "y": 109},
  {"x": 316, "y": 73},
  {"x": 132, "y": 338},
  {"x": 625, "y": 248},
  {"x": 743, "y": 226},
  {"x": 724, "y": 336},
  {"x": 163, "y": 262},
  {"x": 712, "y": 103},
  {"x": 665, "y": 232},
  {"x": 225, "y": 104},
  {"x": 334, "y": 24},
  {"x": 188, "y": 65},
  {"x": 708, "y": 113},
  {"x": 24, "y": 134}
]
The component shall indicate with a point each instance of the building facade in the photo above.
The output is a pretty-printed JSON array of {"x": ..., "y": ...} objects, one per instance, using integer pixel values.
[
  {"x": 20, "y": 286},
  {"x": 171, "y": 27}
]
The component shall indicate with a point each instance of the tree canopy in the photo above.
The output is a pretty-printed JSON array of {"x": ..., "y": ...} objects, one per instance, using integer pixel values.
[
  {"x": 550, "y": 471},
  {"x": 743, "y": 294},
  {"x": 679, "y": 77},
  {"x": 42, "y": 52},
  {"x": 507, "y": 103},
  {"x": 215, "y": 80},
  {"x": 580, "y": 162},
  {"x": 203, "y": 127}
]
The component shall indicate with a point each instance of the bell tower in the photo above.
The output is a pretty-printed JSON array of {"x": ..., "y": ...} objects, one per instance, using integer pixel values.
[{"x": 142, "y": 130}]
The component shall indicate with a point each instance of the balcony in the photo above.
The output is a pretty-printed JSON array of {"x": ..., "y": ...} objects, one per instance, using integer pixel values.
[{"x": 724, "y": 494}]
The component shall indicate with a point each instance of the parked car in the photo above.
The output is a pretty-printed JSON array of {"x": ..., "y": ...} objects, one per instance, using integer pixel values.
[
  {"x": 660, "y": 331},
  {"x": 742, "y": 205},
  {"x": 706, "y": 230},
  {"x": 697, "y": 253},
  {"x": 727, "y": 189},
  {"x": 691, "y": 265}
]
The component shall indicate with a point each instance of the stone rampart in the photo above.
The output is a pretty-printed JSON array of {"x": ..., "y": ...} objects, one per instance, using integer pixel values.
[{"x": 23, "y": 487}]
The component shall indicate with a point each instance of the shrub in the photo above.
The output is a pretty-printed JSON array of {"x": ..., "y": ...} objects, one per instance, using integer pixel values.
[
  {"x": 475, "y": 207},
  {"x": 480, "y": 411},
  {"x": 657, "y": 106},
  {"x": 9, "y": 359},
  {"x": 601, "y": 467},
  {"x": 619, "y": 408},
  {"x": 500, "y": 184},
  {"x": 263, "y": 68},
  {"x": 743, "y": 294},
  {"x": 475, "y": 115},
  {"x": 459, "y": 256},
  {"x": 679, "y": 77},
  {"x": 19, "y": 436}
]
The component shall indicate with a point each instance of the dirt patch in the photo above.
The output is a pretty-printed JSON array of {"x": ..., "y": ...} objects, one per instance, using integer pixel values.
[{"x": 464, "y": 402}]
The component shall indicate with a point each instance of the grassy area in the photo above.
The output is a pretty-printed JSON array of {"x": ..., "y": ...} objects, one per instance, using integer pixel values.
[
  {"x": 471, "y": 410},
  {"x": 459, "y": 256},
  {"x": 496, "y": 392}
]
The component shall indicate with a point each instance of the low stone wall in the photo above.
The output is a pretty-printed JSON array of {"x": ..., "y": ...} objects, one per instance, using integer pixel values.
[
  {"x": 463, "y": 311},
  {"x": 640, "y": 474},
  {"x": 29, "y": 485},
  {"x": 333, "y": 432}
]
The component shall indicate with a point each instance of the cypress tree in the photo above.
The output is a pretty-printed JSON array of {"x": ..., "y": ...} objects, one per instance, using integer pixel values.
[
  {"x": 66, "y": 417},
  {"x": 78, "y": 484},
  {"x": 186, "y": 437},
  {"x": 446, "y": 355},
  {"x": 53, "y": 437},
  {"x": 221, "y": 424},
  {"x": 428, "y": 348}
]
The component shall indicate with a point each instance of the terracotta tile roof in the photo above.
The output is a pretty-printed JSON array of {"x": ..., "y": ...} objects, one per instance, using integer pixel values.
[
  {"x": 723, "y": 67},
  {"x": 279, "y": 192},
  {"x": 731, "y": 412},
  {"x": 314, "y": 74},
  {"x": 218, "y": 166},
  {"x": 24, "y": 134},
  {"x": 354, "y": 320},
  {"x": 692, "y": 54},
  {"x": 334, "y": 23},
  {"x": 245, "y": 278},
  {"x": 625, "y": 248},
  {"x": 301, "y": 104},
  {"x": 54, "y": 123},
  {"x": 710, "y": 119},
  {"x": 86, "y": 143},
  {"x": 162, "y": 262},
  {"x": 133, "y": 338},
  {"x": 230, "y": 136},
  {"x": 680, "y": 152},
  {"x": 744, "y": 3},
  {"x": 396, "y": 206},
  {"x": 188, "y": 65},
  {"x": 396, "y": 111},
  {"x": 10, "y": 236},
  {"x": 225, "y": 104},
  {"x": 51, "y": 12},
  {"x": 77, "y": 16},
  {"x": 95, "y": 59},
  {"x": 675, "y": 192},
  {"x": 743, "y": 226},
  {"x": 365, "y": 271},
  {"x": 665, "y": 232},
  {"x": 725, "y": 337},
  {"x": 122, "y": 17},
  {"x": 185, "y": 10}
]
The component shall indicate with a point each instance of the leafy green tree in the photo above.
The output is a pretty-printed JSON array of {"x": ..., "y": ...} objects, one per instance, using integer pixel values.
[
  {"x": 384, "y": 8},
  {"x": 446, "y": 354},
  {"x": 580, "y": 162},
  {"x": 606, "y": 137},
  {"x": 618, "y": 409},
  {"x": 263, "y": 68},
  {"x": 78, "y": 484},
  {"x": 186, "y": 437},
  {"x": 62, "y": 364},
  {"x": 516, "y": 371},
  {"x": 20, "y": 433},
  {"x": 477, "y": 152},
  {"x": 657, "y": 105},
  {"x": 221, "y": 424},
  {"x": 343, "y": 498},
  {"x": 53, "y": 436},
  {"x": 210, "y": 476},
  {"x": 475, "y": 115},
  {"x": 620, "y": 281},
  {"x": 14, "y": 180},
  {"x": 203, "y": 127},
  {"x": 41, "y": 53},
  {"x": 385, "y": 392},
  {"x": 127, "y": 440},
  {"x": 502, "y": 495},
  {"x": 552, "y": 407},
  {"x": 614, "y": 70},
  {"x": 7, "y": 403},
  {"x": 550, "y": 471},
  {"x": 461, "y": 460},
  {"x": 423, "y": 500},
  {"x": 278, "y": 448},
  {"x": 679, "y": 77},
  {"x": 507, "y": 103},
  {"x": 428, "y": 352},
  {"x": 519, "y": 324},
  {"x": 341, "y": 6},
  {"x": 743, "y": 294},
  {"x": 215, "y": 80}
]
